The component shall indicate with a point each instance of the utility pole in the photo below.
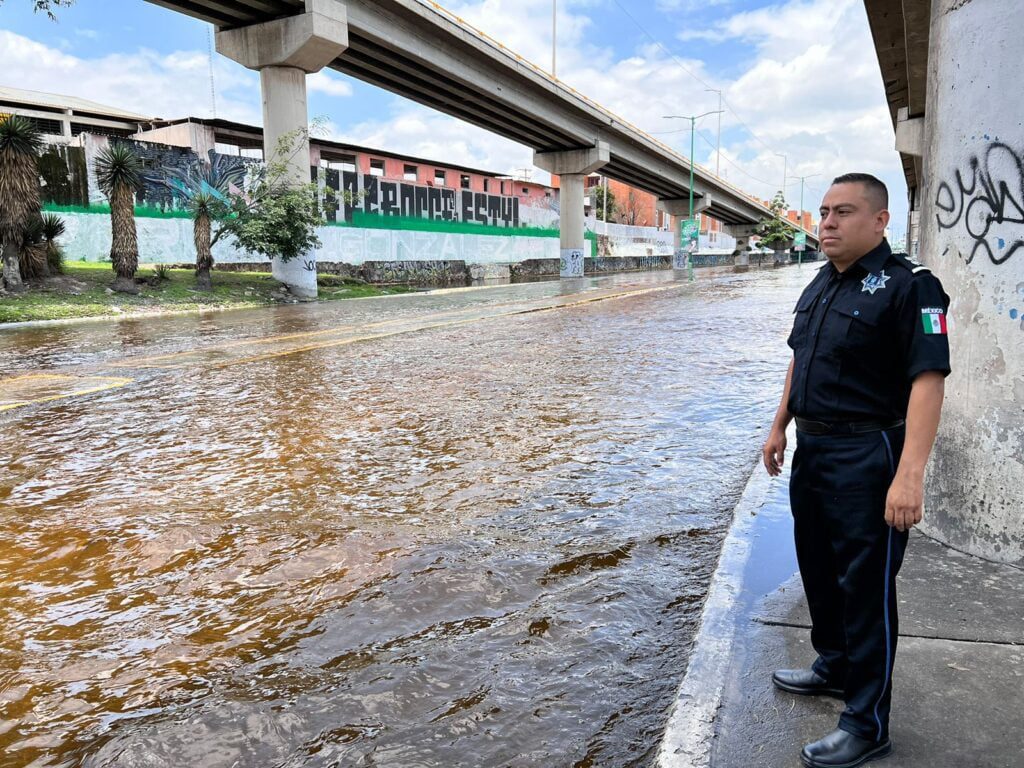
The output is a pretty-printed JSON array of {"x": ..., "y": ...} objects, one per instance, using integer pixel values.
[
  {"x": 554, "y": 38},
  {"x": 785, "y": 162},
  {"x": 800, "y": 216},
  {"x": 718, "y": 148},
  {"x": 604, "y": 182},
  {"x": 693, "y": 129}
]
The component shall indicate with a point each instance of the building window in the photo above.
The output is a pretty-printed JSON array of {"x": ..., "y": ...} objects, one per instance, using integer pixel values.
[
  {"x": 464, "y": 181},
  {"x": 503, "y": 187},
  {"x": 46, "y": 126},
  {"x": 410, "y": 173},
  {"x": 376, "y": 167},
  {"x": 526, "y": 190},
  {"x": 440, "y": 178},
  {"x": 487, "y": 185}
]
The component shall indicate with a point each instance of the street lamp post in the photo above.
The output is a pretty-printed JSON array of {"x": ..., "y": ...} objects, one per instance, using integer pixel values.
[
  {"x": 785, "y": 162},
  {"x": 554, "y": 37},
  {"x": 718, "y": 147},
  {"x": 800, "y": 256},
  {"x": 693, "y": 127}
]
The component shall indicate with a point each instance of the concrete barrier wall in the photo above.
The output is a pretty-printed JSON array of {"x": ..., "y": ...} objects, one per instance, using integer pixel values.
[
  {"x": 167, "y": 239},
  {"x": 973, "y": 239}
]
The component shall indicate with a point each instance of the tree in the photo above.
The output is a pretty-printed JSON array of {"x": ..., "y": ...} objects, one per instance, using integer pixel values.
[
  {"x": 273, "y": 217},
  {"x": 206, "y": 207},
  {"x": 48, "y": 6},
  {"x": 207, "y": 192},
  {"x": 20, "y": 144},
  {"x": 774, "y": 232},
  {"x": 630, "y": 212},
  {"x": 119, "y": 175},
  {"x": 600, "y": 194},
  {"x": 52, "y": 228}
]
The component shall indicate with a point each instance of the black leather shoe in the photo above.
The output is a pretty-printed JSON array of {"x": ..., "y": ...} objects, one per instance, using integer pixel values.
[
  {"x": 806, "y": 682},
  {"x": 841, "y": 749}
]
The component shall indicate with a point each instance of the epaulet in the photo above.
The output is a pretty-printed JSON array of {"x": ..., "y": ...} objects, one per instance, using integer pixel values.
[{"x": 907, "y": 262}]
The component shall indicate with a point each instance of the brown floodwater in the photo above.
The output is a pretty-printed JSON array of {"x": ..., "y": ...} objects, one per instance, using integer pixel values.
[{"x": 431, "y": 530}]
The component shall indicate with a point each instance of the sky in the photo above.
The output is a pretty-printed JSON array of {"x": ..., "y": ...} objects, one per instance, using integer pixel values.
[{"x": 798, "y": 78}]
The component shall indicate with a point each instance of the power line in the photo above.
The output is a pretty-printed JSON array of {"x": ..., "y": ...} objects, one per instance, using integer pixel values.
[
  {"x": 688, "y": 71},
  {"x": 734, "y": 165},
  {"x": 658, "y": 43}
]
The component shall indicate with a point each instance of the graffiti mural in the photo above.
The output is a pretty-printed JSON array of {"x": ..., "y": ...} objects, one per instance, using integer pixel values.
[
  {"x": 374, "y": 196},
  {"x": 987, "y": 202}
]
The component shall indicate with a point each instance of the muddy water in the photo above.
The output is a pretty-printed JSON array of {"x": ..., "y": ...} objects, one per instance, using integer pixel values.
[{"x": 476, "y": 544}]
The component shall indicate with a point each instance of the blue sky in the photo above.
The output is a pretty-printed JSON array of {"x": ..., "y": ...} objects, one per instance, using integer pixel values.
[{"x": 799, "y": 77}]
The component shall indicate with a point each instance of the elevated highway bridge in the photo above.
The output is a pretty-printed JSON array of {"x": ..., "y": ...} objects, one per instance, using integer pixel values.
[{"x": 424, "y": 53}]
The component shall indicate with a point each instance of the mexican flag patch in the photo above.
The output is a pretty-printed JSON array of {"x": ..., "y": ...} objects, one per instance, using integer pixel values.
[{"x": 934, "y": 320}]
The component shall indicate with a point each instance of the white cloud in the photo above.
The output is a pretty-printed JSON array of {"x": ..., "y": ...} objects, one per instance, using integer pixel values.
[
  {"x": 808, "y": 84},
  {"x": 146, "y": 82},
  {"x": 323, "y": 82}
]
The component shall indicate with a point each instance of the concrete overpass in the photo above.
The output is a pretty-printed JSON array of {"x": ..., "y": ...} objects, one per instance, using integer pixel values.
[{"x": 426, "y": 54}]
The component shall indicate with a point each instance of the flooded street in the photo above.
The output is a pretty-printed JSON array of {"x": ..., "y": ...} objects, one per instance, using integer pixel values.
[{"x": 465, "y": 529}]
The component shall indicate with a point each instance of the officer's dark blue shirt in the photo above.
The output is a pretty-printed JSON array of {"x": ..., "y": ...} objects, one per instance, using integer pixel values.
[{"x": 861, "y": 336}]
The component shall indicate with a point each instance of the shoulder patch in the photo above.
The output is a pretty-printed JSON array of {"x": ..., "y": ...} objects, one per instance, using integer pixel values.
[{"x": 905, "y": 261}]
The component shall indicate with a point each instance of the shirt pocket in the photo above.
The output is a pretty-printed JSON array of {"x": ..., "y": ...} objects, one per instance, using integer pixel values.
[
  {"x": 801, "y": 321},
  {"x": 861, "y": 328}
]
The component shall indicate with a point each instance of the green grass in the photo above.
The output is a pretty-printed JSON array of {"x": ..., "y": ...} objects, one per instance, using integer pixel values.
[{"x": 231, "y": 290}]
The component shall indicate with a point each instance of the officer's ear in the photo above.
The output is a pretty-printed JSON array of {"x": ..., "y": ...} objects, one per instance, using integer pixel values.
[{"x": 882, "y": 220}]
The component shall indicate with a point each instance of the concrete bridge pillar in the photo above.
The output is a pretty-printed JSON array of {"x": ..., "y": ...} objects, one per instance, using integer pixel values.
[
  {"x": 742, "y": 234},
  {"x": 679, "y": 209},
  {"x": 572, "y": 166},
  {"x": 285, "y": 51},
  {"x": 972, "y": 238}
]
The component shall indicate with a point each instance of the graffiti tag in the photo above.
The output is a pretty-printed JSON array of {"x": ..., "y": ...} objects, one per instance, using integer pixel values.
[
  {"x": 988, "y": 202},
  {"x": 571, "y": 263}
]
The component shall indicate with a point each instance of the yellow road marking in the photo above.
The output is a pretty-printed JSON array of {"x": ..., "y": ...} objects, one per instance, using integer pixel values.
[
  {"x": 394, "y": 327},
  {"x": 91, "y": 384},
  {"x": 451, "y": 323}
]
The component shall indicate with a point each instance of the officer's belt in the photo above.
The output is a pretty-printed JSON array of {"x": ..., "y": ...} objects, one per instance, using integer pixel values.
[{"x": 844, "y": 427}]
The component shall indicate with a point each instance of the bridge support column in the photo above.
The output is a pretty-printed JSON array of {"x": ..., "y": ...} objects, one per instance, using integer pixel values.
[
  {"x": 284, "y": 51},
  {"x": 741, "y": 256},
  {"x": 972, "y": 239},
  {"x": 679, "y": 209},
  {"x": 571, "y": 167}
]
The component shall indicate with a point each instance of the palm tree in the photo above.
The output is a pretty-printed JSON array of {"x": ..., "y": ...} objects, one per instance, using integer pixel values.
[
  {"x": 53, "y": 227},
  {"x": 207, "y": 190},
  {"x": 20, "y": 145},
  {"x": 119, "y": 175},
  {"x": 205, "y": 207}
]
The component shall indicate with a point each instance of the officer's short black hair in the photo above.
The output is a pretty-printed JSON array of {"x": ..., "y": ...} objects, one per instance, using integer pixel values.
[{"x": 875, "y": 188}]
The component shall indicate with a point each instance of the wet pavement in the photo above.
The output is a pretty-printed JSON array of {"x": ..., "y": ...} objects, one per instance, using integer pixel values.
[
  {"x": 469, "y": 528},
  {"x": 958, "y": 683}
]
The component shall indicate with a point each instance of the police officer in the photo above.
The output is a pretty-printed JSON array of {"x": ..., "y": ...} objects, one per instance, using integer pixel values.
[{"x": 865, "y": 385}]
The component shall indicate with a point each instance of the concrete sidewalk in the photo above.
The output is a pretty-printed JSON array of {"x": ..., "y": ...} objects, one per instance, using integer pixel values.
[{"x": 958, "y": 691}]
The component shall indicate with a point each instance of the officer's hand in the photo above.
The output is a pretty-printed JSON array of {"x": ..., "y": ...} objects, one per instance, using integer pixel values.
[
  {"x": 774, "y": 452},
  {"x": 904, "y": 503}
]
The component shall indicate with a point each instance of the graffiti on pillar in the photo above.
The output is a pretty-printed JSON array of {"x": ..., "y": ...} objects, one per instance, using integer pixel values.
[
  {"x": 987, "y": 202},
  {"x": 571, "y": 263}
]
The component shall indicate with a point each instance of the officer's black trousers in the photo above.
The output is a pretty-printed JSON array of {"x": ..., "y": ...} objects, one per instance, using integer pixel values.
[{"x": 849, "y": 558}]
